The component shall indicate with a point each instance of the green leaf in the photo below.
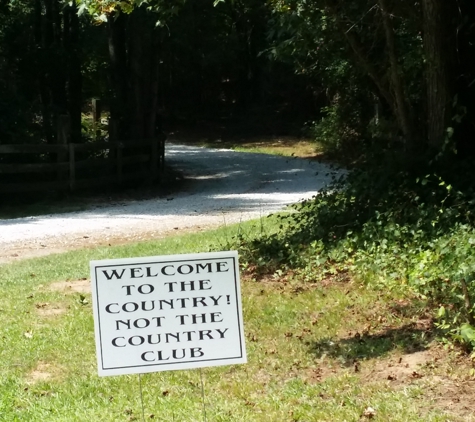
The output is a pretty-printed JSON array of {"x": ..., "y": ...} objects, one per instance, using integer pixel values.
[
  {"x": 82, "y": 9},
  {"x": 441, "y": 313},
  {"x": 468, "y": 333}
]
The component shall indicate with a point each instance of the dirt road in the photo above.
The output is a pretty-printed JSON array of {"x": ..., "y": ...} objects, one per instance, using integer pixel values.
[{"x": 223, "y": 187}]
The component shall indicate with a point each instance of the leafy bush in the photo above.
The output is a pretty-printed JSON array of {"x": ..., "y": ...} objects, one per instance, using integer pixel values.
[
  {"x": 334, "y": 132},
  {"x": 392, "y": 225}
]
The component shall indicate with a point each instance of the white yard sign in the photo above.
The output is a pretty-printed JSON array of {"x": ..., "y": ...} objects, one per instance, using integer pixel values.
[{"x": 167, "y": 312}]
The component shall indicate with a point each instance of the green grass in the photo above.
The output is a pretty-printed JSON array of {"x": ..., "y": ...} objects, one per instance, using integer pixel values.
[
  {"x": 301, "y": 342},
  {"x": 285, "y": 146}
]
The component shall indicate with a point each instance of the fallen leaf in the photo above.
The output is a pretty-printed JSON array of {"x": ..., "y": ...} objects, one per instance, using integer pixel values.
[{"x": 369, "y": 412}]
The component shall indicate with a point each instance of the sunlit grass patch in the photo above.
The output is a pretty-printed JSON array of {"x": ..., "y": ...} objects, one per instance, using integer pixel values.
[
  {"x": 285, "y": 146},
  {"x": 316, "y": 351}
]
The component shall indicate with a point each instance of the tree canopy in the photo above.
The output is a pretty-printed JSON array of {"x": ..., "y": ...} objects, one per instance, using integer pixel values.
[{"x": 374, "y": 69}]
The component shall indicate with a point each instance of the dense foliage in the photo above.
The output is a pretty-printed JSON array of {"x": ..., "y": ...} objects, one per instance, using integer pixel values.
[
  {"x": 398, "y": 72},
  {"x": 407, "y": 227}
]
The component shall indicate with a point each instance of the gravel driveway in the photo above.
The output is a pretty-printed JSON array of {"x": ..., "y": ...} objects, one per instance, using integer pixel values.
[{"x": 225, "y": 187}]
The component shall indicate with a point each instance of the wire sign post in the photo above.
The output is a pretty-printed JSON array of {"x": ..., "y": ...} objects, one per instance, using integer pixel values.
[{"x": 167, "y": 313}]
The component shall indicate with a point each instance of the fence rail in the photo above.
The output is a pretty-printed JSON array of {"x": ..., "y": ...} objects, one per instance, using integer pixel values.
[{"x": 77, "y": 166}]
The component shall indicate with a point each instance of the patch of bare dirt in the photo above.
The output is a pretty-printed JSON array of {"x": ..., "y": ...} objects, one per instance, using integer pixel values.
[
  {"x": 453, "y": 396},
  {"x": 443, "y": 377},
  {"x": 399, "y": 369},
  {"x": 321, "y": 373},
  {"x": 35, "y": 249},
  {"x": 70, "y": 287},
  {"x": 49, "y": 310},
  {"x": 42, "y": 372}
]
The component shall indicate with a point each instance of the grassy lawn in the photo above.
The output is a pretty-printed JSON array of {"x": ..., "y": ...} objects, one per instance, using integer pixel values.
[
  {"x": 332, "y": 351},
  {"x": 285, "y": 146}
]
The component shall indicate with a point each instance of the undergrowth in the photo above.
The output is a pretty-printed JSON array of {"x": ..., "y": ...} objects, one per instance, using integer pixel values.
[{"x": 394, "y": 224}]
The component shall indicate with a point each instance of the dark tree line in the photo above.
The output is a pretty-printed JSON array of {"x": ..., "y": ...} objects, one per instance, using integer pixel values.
[
  {"x": 412, "y": 59},
  {"x": 144, "y": 63},
  {"x": 378, "y": 69},
  {"x": 41, "y": 76}
]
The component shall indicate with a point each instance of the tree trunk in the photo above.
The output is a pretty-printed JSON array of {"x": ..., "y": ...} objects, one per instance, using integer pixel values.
[
  {"x": 133, "y": 50},
  {"x": 196, "y": 62},
  {"x": 118, "y": 75},
  {"x": 152, "y": 123},
  {"x": 71, "y": 37},
  {"x": 437, "y": 57},
  {"x": 56, "y": 64},
  {"x": 42, "y": 73},
  {"x": 139, "y": 56},
  {"x": 143, "y": 56},
  {"x": 401, "y": 106},
  {"x": 362, "y": 59}
]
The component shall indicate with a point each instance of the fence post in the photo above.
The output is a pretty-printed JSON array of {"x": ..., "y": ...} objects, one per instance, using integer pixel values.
[
  {"x": 113, "y": 129},
  {"x": 63, "y": 129},
  {"x": 154, "y": 160},
  {"x": 161, "y": 163},
  {"x": 72, "y": 167},
  {"x": 96, "y": 117},
  {"x": 62, "y": 138},
  {"x": 119, "y": 162}
]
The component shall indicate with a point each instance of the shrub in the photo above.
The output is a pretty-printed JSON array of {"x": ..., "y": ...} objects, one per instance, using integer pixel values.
[{"x": 395, "y": 226}]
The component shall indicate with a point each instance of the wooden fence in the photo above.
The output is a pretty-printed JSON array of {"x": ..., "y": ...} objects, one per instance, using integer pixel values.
[{"x": 70, "y": 167}]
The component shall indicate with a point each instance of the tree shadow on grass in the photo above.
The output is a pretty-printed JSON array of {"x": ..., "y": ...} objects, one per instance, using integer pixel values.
[{"x": 409, "y": 338}]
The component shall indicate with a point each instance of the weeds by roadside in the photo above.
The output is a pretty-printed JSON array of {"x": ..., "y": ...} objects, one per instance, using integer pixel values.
[{"x": 406, "y": 228}]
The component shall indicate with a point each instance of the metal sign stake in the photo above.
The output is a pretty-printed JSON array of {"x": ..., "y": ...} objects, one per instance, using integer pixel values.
[
  {"x": 203, "y": 396},
  {"x": 141, "y": 397}
]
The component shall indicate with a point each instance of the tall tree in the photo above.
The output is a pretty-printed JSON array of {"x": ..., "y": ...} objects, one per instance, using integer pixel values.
[
  {"x": 426, "y": 45},
  {"x": 71, "y": 42},
  {"x": 134, "y": 59},
  {"x": 439, "y": 31}
]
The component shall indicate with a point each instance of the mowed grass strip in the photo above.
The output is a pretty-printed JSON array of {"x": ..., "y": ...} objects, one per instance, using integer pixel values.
[
  {"x": 287, "y": 146},
  {"x": 330, "y": 351}
]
